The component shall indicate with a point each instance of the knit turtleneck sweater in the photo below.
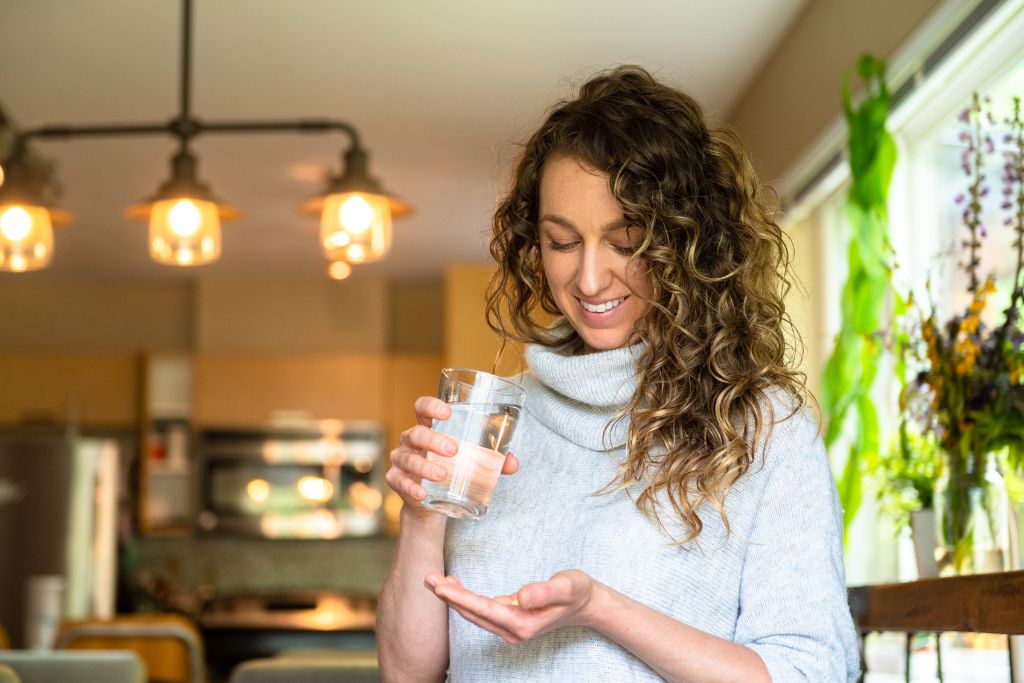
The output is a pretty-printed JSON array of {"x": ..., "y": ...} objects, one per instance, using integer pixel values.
[{"x": 774, "y": 582}]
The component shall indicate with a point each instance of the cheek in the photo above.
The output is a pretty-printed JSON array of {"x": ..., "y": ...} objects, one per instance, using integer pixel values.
[
  {"x": 555, "y": 272},
  {"x": 638, "y": 276}
]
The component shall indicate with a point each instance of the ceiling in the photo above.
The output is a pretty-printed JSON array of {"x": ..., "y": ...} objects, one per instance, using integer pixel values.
[{"x": 440, "y": 91}]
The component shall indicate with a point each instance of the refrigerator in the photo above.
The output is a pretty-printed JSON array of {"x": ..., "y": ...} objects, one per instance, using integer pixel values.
[{"x": 58, "y": 528}]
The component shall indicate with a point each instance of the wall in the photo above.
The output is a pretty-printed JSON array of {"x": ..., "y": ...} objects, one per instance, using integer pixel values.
[
  {"x": 76, "y": 316},
  {"x": 795, "y": 95}
]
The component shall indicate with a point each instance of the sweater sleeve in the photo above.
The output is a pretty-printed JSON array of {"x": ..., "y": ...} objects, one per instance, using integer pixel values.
[{"x": 793, "y": 610}]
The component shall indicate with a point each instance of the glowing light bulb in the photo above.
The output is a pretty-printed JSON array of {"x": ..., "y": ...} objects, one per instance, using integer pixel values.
[
  {"x": 185, "y": 218},
  {"x": 339, "y": 270},
  {"x": 356, "y": 253},
  {"x": 18, "y": 263},
  {"x": 356, "y": 214},
  {"x": 186, "y": 257},
  {"x": 16, "y": 224}
]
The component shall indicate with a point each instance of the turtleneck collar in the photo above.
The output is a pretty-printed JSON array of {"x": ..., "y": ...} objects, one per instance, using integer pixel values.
[{"x": 577, "y": 396}]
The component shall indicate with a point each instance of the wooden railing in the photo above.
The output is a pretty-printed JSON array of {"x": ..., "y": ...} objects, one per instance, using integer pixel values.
[{"x": 982, "y": 603}]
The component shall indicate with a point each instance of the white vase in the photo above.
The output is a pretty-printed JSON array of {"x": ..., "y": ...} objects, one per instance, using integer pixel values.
[{"x": 922, "y": 530}]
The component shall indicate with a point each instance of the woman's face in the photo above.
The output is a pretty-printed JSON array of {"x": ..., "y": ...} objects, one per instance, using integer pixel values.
[{"x": 585, "y": 244}]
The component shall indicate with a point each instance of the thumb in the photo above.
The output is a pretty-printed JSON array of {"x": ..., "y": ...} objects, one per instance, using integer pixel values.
[{"x": 511, "y": 465}]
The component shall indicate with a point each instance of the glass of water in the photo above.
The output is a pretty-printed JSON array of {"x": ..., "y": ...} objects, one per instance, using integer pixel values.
[{"x": 485, "y": 409}]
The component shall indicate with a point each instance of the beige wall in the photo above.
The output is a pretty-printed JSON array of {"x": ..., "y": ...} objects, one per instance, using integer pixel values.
[
  {"x": 258, "y": 315},
  {"x": 304, "y": 315},
  {"x": 795, "y": 96},
  {"x": 417, "y": 316},
  {"x": 93, "y": 317}
]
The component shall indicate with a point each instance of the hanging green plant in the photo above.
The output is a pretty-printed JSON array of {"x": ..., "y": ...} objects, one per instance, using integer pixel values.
[{"x": 851, "y": 369}]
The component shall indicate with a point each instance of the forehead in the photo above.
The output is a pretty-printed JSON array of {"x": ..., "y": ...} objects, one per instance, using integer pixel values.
[{"x": 571, "y": 187}]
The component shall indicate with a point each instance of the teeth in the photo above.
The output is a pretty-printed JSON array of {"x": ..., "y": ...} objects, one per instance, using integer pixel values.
[{"x": 601, "y": 308}]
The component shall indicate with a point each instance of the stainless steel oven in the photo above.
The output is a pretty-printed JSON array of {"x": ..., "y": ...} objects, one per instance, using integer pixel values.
[{"x": 319, "y": 481}]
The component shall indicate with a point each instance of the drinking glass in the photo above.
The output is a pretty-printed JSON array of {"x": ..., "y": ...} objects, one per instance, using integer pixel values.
[{"x": 485, "y": 409}]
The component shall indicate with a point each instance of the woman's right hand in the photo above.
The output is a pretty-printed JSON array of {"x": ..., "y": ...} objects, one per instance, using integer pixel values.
[{"x": 409, "y": 464}]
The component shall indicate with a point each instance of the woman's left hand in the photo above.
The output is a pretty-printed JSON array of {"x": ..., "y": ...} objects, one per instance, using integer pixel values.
[{"x": 535, "y": 608}]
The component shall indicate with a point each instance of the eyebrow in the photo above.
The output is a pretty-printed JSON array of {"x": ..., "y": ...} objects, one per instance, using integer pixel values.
[{"x": 617, "y": 224}]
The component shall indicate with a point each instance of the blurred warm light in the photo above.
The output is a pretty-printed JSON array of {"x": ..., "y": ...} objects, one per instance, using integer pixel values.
[
  {"x": 364, "y": 498},
  {"x": 258, "y": 490},
  {"x": 315, "y": 489},
  {"x": 1, "y": 176},
  {"x": 359, "y": 221},
  {"x": 355, "y": 215},
  {"x": 26, "y": 237},
  {"x": 339, "y": 270},
  {"x": 356, "y": 253},
  {"x": 184, "y": 232},
  {"x": 363, "y": 463}
]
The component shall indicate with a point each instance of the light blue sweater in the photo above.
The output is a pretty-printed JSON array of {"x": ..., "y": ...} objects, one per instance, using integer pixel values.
[{"x": 775, "y": 584}]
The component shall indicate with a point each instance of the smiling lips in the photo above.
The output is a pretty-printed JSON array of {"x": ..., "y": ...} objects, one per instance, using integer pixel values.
[{"x": 602, "y": 307}]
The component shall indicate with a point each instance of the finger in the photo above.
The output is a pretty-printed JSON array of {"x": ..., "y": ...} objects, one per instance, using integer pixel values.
[
  {"x": 502, "y": 615},
  {"x": 488, "y": 614},
  {"x": 417, "y": 466},
  {"x": 511, "y": 465},
  {"x": 542, "y": 594},
  {"x": 430, "y": 408},
  {"x": 409, "y": 489},
  {"x": 498, "y": 630},
  {"x": 423, "y": 438},
  {"x": 509, "y": 600}
]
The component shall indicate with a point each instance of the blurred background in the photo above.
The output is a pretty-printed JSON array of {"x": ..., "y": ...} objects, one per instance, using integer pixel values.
[{"x": 210, "y": 440}]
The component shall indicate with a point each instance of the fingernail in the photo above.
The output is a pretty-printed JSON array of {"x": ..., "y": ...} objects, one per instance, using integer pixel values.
[
  {"x": 431, "y": 581},
  {"x": 440, "y": 472},
  {"x": 450, "y": 448}
]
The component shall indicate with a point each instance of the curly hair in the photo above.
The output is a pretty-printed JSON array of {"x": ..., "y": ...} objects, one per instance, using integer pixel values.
[{"x": 717, "y": 341}]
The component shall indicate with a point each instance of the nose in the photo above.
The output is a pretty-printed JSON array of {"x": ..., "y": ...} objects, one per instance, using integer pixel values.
[{"x": 594, "y": 273}]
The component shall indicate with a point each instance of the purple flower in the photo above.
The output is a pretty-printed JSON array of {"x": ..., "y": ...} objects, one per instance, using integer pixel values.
[
  {"x": 965, "y": 116},
  {"x": 960, "y": 197},
  {"x": 984, "y": 190},
  {"x": 1006, "y": 206}
]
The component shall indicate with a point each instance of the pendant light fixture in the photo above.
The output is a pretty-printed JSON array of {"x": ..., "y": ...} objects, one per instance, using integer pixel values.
[
  {"x": 355, "y": 212},
  {"x": 184, "y": 217},
  {"x": 26, "y": 219}
]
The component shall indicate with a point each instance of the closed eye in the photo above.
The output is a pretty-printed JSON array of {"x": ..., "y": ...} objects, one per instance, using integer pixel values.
[{"x": 561, "y": 246}]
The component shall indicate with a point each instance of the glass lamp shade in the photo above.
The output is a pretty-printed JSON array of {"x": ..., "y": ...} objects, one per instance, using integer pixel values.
[
  {"x": 184, "y": 231},
  {"x": 357, "y": 225},
  {"x": 26, "y": 237}
]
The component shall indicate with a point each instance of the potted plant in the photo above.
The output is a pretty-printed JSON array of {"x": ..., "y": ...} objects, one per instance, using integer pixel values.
[{"x": 905, "y": 476}]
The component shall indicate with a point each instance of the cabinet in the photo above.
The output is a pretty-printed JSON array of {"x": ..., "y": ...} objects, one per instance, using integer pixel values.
[{"x": 86, "y": 389}]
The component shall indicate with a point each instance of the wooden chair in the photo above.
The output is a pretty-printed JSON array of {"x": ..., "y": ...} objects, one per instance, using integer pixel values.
[
  {"x": 982, "y": 603},
  {"x": 169, "y": 644},
  {"x": 309, "y": 666}
]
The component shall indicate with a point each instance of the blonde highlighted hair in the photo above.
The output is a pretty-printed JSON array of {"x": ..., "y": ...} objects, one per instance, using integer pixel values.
[{"x": 717, "y": 339}]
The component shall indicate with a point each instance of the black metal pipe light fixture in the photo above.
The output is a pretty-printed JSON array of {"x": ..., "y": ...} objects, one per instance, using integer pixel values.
[{"x": 184, "y": 216}]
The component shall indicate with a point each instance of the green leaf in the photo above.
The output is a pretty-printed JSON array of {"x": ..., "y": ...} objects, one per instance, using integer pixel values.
[{"x": 851, "y": 491}]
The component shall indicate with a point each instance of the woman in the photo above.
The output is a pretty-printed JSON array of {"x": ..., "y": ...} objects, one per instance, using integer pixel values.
[{"x": 672, "y": 513}]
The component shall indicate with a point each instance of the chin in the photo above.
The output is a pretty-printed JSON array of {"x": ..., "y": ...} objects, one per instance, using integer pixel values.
[{"x": 603, "y": 340}]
